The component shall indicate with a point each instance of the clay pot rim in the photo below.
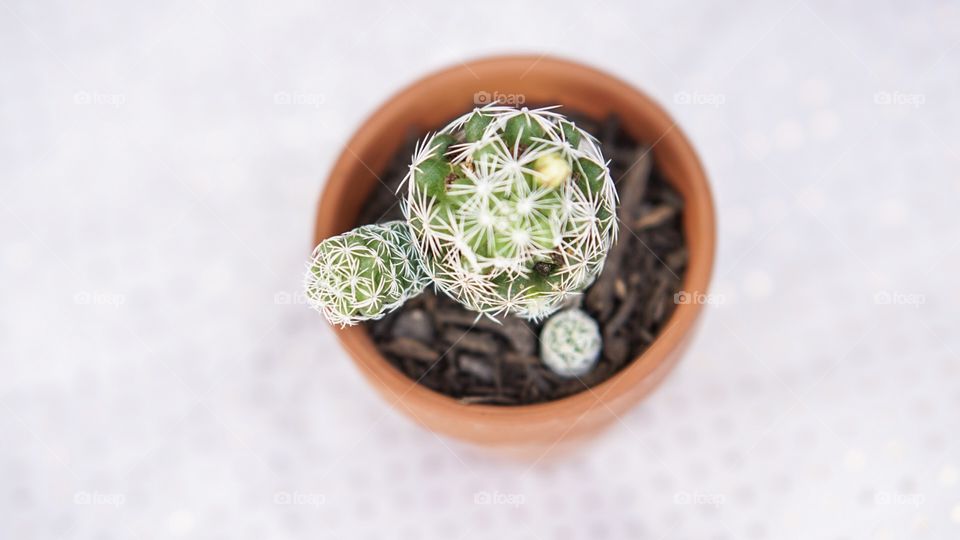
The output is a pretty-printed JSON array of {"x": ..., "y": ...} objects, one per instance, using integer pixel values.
[{"x": 411, "y": 395}]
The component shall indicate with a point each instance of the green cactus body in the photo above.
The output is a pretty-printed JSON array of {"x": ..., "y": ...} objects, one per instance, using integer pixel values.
[
  {"x": 508, "y": 211},
  {"x": 364, "y": 273},
  {"x": 516, "y": 214}
]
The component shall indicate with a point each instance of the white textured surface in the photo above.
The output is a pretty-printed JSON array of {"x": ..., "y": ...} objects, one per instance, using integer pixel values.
[{"x": 147, "y": 161}]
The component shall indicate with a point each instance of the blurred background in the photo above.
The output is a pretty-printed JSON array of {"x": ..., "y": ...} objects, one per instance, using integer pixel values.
[{"x": 161, "y": 377}]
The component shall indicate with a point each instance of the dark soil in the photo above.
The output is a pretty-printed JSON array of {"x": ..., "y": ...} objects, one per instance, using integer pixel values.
[{"x": 438, "y": 343}]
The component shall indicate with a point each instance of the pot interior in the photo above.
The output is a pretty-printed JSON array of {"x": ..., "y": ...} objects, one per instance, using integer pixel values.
[{"x": 431, "y": 103}]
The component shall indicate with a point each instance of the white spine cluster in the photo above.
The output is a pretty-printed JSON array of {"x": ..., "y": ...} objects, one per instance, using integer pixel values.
[
  {"x": 511, "y": 209},
  {"x": 364, "y": 273},
  {"x": 570, "y": 343}
]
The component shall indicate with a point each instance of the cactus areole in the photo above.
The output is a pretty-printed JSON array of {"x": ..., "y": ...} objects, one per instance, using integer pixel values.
[{"x": 507, "y": 211}]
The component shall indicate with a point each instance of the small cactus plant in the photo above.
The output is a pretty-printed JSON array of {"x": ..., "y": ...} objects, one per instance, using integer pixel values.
[
  {"x": 570, "y": 343},
  {"x": 364, "y": 273},
  {"x": 507, "y": 211}
]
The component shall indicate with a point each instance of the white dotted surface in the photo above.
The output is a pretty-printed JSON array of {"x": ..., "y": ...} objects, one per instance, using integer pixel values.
[{"x": 162, "y": 377}]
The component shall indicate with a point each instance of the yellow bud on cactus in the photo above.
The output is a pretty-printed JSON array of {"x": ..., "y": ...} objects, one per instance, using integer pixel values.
[{"x": 552, "y": 170}]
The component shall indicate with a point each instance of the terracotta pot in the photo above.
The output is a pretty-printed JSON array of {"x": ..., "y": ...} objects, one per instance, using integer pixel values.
[{"x": 433, "y": 101}]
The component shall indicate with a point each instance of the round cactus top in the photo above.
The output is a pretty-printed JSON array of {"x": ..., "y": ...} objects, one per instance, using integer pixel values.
[
  {"x": 511, "y": 210},
  {"x": 570, "y": 343}
]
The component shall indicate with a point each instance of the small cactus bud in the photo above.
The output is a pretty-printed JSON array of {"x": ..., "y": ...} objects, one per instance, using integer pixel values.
[
  {"x": 553, "y": 170},
  {"x": 570, "y": 343}
]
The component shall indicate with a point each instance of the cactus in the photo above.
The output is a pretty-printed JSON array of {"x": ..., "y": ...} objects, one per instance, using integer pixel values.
[
  {"x": 364, "y": 273},
  {"x": 508, "y": 210},
  {"x": 570, "y": 343}
]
